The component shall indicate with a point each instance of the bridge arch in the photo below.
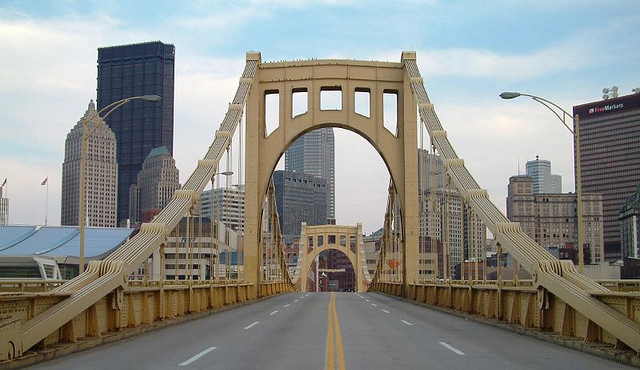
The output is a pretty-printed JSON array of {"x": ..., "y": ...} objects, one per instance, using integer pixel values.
[
  {"x": 398, "y": 150},
  {"x": 346, "y": 239}
]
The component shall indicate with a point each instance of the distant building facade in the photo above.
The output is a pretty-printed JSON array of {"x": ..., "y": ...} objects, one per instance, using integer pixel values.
[
  {"x": 630, "y": 226},
  {"x": 299, "y": 198},
  {"x": 543, "y": 180},
  {"x": 226, "y": 205},
  {"x": 4, "y": 207},
  {"x": 610, "y": 160},
  {"x": 449, "y": 232},
  {"x": 551, "y": 219},
  {"x": 101, "y": 173},
  {"x": 210, "y": 251},
  {"x": 314, "y": 154},
  {"x": 134, "y": 70},
  {"x": 156, "y": 183}
]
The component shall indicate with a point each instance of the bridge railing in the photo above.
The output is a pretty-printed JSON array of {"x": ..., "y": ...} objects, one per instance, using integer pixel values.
[{"x": 520, "y": 303}]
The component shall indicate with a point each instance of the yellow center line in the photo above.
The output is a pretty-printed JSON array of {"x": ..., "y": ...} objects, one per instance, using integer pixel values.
[
  {"x": 329, "y": 358},
  {"x": 333, "y": 334}
]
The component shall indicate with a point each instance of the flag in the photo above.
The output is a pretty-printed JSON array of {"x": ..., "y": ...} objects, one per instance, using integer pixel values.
[
  {"x": 44, "y": 182},
  {"x": 4, "y": 182}
]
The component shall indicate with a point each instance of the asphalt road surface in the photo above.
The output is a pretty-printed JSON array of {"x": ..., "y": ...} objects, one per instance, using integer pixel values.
[{"x": 326, "y": 331}]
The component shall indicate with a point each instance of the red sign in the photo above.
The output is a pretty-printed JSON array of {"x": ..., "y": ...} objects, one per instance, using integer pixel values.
[{"x": 393, "y": 263}]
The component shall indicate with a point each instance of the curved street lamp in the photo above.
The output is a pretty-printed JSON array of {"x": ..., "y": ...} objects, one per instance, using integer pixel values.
[
  {"x": 563, "y": 116},
  {"x": 86, "y": 132}
]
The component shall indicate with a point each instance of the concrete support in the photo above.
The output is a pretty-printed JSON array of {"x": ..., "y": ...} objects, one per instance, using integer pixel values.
[
  {"x": 253, "y": 199},
  {"x": 407, "y": 126}
]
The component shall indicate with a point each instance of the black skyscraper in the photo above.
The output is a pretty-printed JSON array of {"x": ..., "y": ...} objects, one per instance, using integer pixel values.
[{"x": 132, "y": 70}]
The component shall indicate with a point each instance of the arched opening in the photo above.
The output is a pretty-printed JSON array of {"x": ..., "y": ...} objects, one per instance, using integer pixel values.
[
  {"x": 332, "y": 272},
  {"x": 361, "y": 197}
]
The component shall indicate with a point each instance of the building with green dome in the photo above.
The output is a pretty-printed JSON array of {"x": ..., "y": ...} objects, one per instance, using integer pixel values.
[{"x": 630, "y": 225}]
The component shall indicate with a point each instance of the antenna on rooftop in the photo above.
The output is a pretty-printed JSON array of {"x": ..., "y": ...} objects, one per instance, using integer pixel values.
[{"x": 610, "y": 92}]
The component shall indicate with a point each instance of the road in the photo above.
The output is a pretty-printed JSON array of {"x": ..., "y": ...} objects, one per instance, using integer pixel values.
[{"x": 321, "y": 330}]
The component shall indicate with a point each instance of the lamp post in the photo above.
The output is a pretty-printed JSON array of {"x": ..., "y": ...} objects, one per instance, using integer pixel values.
[
  {"x": 86, "y": 132},
  {"x": 563, "y": 115}
]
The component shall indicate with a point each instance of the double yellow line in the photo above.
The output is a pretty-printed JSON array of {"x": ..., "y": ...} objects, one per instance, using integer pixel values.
[{"x": 333, "y": 336}]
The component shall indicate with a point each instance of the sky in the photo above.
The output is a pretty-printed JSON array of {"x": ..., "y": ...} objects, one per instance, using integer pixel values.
[{"x": 468, "y": 53}]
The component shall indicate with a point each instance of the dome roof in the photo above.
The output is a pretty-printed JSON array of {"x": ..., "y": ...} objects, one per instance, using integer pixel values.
[{"x": 633, "y": 203}]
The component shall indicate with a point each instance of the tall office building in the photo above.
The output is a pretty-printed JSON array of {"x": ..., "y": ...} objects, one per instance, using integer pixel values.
[
  {"x": 551, "y": 219},
  {"x": 313, "y": 154},
  {"x": 610, "y": 160},
  {"x": 4, "y": 206},
  {"x": 101, "y": 173},
  {"x": 447, "y": 225},
  {"x": 134, "y": 70},
  {"x": 299, "y": 198},
  {"x": 543, "y": 180},
  {"x": 224, "y": 204},
  {"x": 156, "y": 182}
]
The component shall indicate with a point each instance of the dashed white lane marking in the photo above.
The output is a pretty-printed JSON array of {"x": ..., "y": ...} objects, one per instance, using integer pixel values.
[
  {"x": 385, "y": 311},
  {"x": 273, "y": 313},
  {"x": 196, "y": 357},
  {"x": 450, "y": 347},
  {"x": 295, "y": 301},
  {"x": 286, "y": 305},
  {"x": 367, "y": 300},
  {"x": 407, "y": 322},
  {"x": 251, "y": 325},
  {"x": 374, "y": 305}
]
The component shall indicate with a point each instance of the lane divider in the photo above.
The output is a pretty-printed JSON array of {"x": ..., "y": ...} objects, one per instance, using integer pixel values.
[
  {"x": 251, "y": 325},
  {"x": 452, "y": 348},
  {"x": 273, "y": 313},
  {"x": 333, "y": 335},
  {"x": 407, "y": 322},
  {"x": 197, "y": 356}
]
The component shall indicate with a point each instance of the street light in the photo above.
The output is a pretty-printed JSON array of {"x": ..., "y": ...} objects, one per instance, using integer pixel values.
[
  {"x": 563, "y": 115},
  {"x": 83, "y": 159}
]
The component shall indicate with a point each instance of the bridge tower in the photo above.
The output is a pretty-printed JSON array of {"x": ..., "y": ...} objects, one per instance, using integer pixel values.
[{"x": 313, "y": 78}]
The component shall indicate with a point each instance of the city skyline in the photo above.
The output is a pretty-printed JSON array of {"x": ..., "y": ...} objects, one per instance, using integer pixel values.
[{"x": 466, "y": 59}]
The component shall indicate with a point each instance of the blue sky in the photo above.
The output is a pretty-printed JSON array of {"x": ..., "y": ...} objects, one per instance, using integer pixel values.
[{"x": 468, "y": 52}]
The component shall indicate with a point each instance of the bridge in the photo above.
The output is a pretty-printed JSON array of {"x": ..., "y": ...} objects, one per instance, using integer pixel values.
[{"x": 111, "y": 297}]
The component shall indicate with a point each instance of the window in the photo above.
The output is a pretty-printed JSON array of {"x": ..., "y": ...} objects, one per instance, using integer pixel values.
[
  {"x": 299, "y": 102},
  {"x": 331, "y": 98},
  {"x": 271, "y": 111},
  {"x": 363, "y": 101},
  {"x": 390, "y": 110}
]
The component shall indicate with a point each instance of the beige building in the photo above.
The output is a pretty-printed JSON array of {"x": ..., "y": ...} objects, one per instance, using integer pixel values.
[
  {"x": 449, "y": 232},
  {"x": 157, "y": 181},
  {"x": 193, "y": 254},
  {"x": 101, "y": 176},
  {"x": 550, "y": 219}
]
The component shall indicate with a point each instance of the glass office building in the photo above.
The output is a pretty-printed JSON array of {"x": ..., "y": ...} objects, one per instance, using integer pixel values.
[
  {"x": 133, "y": 70},
  {"x": 313, "y": 154},
  {"x": 610, "y": 158}
]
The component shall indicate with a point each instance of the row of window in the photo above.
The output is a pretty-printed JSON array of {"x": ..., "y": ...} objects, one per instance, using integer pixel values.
[{"x": 331, "y": 100}]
